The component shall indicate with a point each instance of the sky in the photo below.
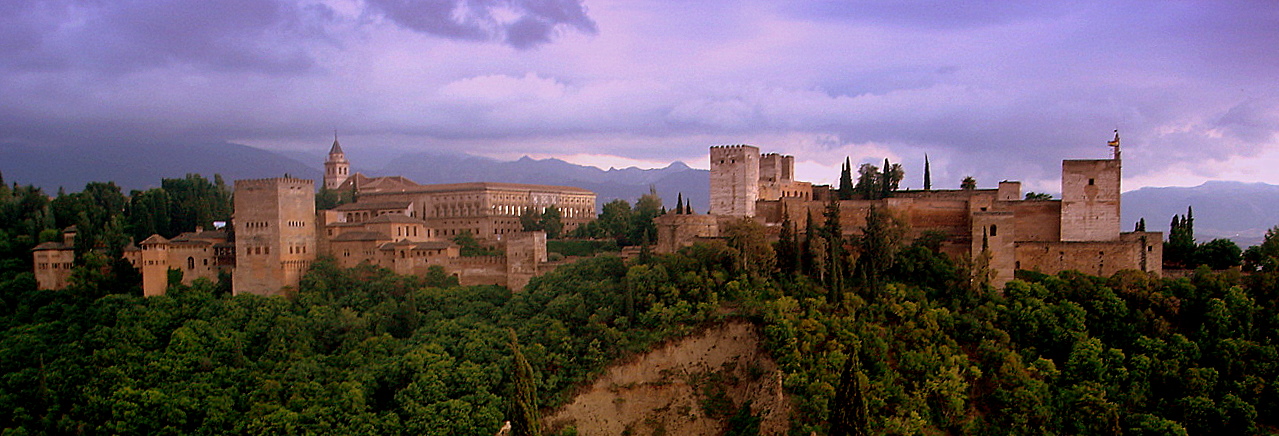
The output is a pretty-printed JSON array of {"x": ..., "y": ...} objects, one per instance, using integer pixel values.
[{"x": 996, "y": 90}]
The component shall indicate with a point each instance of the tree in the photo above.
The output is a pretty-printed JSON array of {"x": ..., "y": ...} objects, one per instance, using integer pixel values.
[
  {"x": 1141, "y": 225},
  {"x": 747, "y": 237},
  {"x": 833, "y": 236},
  {"x": 868, "y": 179},
  {"x": 525, "y": 420},
  {"x": 1264, "y": 256},
  {"x": 890, "y": 179},
  {"x": 1219, "y": 254},
  {"x": 551, "y": 222},
  {"x": 849, "y": 415},
  {"x": 846, "y": 187},
  {"x": 1032, "y": 195},
  {"x": 469, "y": 246},
  {"x": 787, "y": 246},
  {"x": 647, "y": 207},
  {"x": 928, "y": 175},
  {"x": 1179, "y": 250},
  {"x": 531, "y": 219},
  {"x": 878, "y": 245},
  {"x": 968, "y": 184}
]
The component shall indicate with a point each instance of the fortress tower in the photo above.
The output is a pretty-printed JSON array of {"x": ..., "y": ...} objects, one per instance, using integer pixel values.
[
  {"x": 1090, "y": 198},
  {"x": 336, "y": 168},
  {"x": 154, "y": 265},
  {"x": 275, "y": 238},
  {"x": 734, "y": 180}
]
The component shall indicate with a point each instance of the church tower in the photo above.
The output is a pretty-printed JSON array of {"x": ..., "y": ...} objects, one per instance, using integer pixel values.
[{"x": 337, "y": 168}]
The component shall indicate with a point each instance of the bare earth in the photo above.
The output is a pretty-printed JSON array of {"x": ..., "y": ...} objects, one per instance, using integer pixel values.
[{"x": 691, "y": 386}]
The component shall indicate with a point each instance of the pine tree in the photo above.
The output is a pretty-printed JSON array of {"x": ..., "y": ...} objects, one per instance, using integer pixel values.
[
  {"x": 679, "y": 204},
  {"x": 525, "y": 420}
]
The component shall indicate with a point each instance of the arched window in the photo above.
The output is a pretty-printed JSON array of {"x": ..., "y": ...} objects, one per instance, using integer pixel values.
[
  {"x": 190, "y": 263},
  {"x": 994, "y": 230}
]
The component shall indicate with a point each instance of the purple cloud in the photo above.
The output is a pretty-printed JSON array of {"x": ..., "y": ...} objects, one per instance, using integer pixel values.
[{"x": 535, "y": 23}]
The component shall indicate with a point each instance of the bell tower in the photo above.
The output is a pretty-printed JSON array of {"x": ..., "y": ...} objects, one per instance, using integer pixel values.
[{"x": 336, "y": 168}]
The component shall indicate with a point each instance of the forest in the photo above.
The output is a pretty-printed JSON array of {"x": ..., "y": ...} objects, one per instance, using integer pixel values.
[{"x": 874, "y": 335}]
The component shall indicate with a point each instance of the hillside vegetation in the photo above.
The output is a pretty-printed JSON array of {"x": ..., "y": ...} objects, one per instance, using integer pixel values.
[{"x": 869, "y": 336}]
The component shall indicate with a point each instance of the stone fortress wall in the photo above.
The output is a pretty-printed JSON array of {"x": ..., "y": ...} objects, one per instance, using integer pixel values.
[
  {"x": 1080, "y": 232},
  {"x": 276, "y": 233}
]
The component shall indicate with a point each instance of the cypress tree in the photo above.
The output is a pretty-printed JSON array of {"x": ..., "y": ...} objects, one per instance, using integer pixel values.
[
  {"x": 834, "y": 237},
  {"x": 885, "y": 180},
  {"x": 679, "y": 204},
  {"x": 849, "y": 414},
  {"x": 525, "y": 420},
  {"x": 786, "y": 252},
  {"x": 928, "y": 175},
  {"x": 806, "y": 250},
  {"x": 846, "y": 180}
]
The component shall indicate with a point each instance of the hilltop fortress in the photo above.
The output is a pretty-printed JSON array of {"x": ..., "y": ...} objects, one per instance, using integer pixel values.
[
  {"x": 276, "y": 232},
  {"x": 1081, "y": 231}
]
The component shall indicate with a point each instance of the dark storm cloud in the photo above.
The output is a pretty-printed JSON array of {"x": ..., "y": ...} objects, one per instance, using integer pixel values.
[
  {"x": 535, "y": 23},
  {"x": 123, "y": 36}
]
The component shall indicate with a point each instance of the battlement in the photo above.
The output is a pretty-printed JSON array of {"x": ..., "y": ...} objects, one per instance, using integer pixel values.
[
  {"x": 733, "y": 147},
  {"x": 272, "y": 183}
]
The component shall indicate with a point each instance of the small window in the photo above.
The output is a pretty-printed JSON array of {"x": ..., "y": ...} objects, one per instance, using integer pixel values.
[
  {"x": 1092, "y": 182},
  {"x": 994, "y": 230},
  {"x": 190, "y": 263}
]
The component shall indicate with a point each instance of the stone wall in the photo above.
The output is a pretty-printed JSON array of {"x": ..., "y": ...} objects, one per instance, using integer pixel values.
[
  {"x": 678, "y": 230},
  {"x": 1142, "y": 251}
]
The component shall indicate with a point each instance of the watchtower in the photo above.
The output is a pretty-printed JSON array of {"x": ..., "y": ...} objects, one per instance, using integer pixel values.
[
  {"x": 734, "y": 180},
  {"x": 275, "y": 238},
  {"x": 1090, "y": 198}
]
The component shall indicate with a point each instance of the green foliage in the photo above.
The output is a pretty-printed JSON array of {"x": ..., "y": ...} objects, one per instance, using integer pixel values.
[
  {"x": 1264, "y": 256},
  {"x": 1032, "y": 195},
  {"x": 471, "y": 247},
  {"x": 364, "y": 351},
  {"x": 582, "y": 247},
  {"x": 547, "y": 220},
  {"x": 627, "y": 226},
  {"x": 525, "y": 420}
]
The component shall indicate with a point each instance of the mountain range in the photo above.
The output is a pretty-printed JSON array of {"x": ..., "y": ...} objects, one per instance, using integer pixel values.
[{"x": 1235, "y": 210}]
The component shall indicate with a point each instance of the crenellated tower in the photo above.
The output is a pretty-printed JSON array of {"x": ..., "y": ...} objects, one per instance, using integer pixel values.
[
  {"x": 275, "y": 236},
  {"x": 734, "y": 180},
  {"x": 336, "y": 168},
  {"x": 1090, "y": 194}
]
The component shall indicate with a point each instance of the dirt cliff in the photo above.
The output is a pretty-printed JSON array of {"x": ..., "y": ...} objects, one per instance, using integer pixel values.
[{"x": 692, "y": 386}]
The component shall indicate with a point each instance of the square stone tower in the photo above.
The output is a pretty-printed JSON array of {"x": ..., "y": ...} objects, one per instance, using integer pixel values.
[
  {"x": 275, "y": 235},
  {"x": 734, "y": 180},
  {"x": 1090, "y": 200}
]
